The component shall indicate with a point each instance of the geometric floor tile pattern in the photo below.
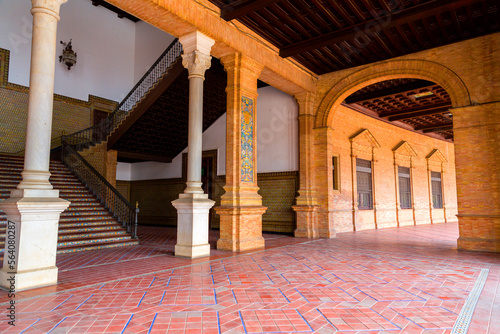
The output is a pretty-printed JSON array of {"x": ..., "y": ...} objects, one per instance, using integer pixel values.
[
  {"x": 397, "y": 280},
  {"x": 357, "y": 319}
]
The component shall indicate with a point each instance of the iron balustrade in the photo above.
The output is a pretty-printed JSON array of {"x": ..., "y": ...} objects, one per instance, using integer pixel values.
[
  {"x": 122, "y": 210},
  {"x": 99, "y": 132}
]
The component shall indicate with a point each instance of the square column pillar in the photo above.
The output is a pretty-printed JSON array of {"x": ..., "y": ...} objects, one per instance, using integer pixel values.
[
  {"x": 34, "y": 208},
  {"x": 193, "y": 205},
  {"x": 306, "y": 207},
  {"x": 477, "y": 146},
  {"x": 241, "y": 206}
]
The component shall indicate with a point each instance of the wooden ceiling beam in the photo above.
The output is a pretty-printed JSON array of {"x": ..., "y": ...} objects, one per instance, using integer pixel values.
[
  {"x": 435, "y": 127},
  {"x": 424, "y": 112},
  {"x": 242, "y": 8},
  {"x": 440, "y": 106},
  {"x": 411, "y": 14},
  {"x": 390, "y": 91}
]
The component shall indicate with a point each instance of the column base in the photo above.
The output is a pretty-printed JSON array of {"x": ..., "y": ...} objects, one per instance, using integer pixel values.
[
  {"x": 306, "y": 221},
  {"x": 192, "y": 251},
  {"x": 240, "y": 228},
  {"x": 479, "y": 233},
  {"x": 23, "y": 280},
  {"x": 31, "y": 238},
  {"x": 192, "y": 225}
]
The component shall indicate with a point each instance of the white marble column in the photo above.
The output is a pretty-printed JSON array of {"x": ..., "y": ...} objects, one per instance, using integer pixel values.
[
  {"x": 193, "y": 205},
  {"x": 33, "y": 209}
]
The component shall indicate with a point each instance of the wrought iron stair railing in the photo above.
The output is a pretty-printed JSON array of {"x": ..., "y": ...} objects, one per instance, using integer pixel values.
[
  {"x": 125, "y": 212},
  {"x": 100, "y": 132},
  {"x": 121, "y": 209}
]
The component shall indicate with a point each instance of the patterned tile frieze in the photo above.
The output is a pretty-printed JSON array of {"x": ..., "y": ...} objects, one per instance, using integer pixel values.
[{"x": 247, "y": 144}]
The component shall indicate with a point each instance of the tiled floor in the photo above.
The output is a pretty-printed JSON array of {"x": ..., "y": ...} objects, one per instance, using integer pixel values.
[{"x": 398, "y": 280}]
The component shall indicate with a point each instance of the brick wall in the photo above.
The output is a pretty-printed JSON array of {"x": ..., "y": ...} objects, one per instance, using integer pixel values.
[
  {"x": 69, "y": 115},
  {"x": 278, "y": 191},
  {"x": 340, "y": 205}
]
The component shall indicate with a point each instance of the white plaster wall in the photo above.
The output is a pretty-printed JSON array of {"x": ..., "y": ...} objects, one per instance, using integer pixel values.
[
  {"x": 124, "y": 171},
  {"x": 150, "y": 42},
  {"x": 277, "y": 131},
  {"x": 104, "y": 44}
]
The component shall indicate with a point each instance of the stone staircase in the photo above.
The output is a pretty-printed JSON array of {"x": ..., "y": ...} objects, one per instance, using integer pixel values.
[{"x": 85, "y": 225}]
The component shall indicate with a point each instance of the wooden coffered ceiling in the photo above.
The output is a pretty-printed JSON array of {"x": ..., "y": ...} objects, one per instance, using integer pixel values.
[
  {"x": 417, "y": 105},
  {"x": 330, "y": 35}
]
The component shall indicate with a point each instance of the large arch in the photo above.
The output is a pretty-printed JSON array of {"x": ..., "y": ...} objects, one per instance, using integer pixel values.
[{"x": 393, "y": 69}]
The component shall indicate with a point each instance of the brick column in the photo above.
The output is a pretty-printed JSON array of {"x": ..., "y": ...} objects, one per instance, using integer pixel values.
[
  {"x": 477, "y": 160},
  {"x": 306, "y": 207},
  {"x": 241, "y": 206}
]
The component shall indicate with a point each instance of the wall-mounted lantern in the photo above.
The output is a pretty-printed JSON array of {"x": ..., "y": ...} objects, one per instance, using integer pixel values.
[{"x": 68, "y": 56}]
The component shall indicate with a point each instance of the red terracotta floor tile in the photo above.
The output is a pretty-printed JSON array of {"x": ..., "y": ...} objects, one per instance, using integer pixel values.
[{"x": 397, "y": 280}]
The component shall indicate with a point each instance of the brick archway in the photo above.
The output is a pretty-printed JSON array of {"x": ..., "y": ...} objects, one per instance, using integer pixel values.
[{"x": 396, "y": 69}]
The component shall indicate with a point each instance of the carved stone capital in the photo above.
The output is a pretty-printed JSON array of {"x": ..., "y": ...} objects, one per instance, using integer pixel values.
[
  {"x": 196, "y": 63},
  {"x": 50, "y": 7}
]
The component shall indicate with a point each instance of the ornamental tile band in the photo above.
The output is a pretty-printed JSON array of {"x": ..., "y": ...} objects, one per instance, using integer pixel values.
[
  {"x": 246, "y": 139},
  {"x": 465, "y": 317}
]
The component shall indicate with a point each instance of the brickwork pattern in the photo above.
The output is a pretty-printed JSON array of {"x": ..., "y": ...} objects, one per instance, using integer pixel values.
[
  {"x": 69, "y": 115},
  {"x": 278, "y": 191},
  {"x": 340, "y": 204}
]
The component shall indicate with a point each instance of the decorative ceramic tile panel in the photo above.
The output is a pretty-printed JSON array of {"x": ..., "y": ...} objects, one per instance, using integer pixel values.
[{"x": 247, "y": 139}]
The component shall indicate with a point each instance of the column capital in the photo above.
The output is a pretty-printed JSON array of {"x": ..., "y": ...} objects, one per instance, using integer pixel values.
[
  {"x": 196, "y": 57},
  {"x": 305, "y": 100},
  {"x": 196, "y": 41},
  {"x": 50, "y": 7},
  {"x": 196, "y": 63},
  {"x": 238, "y": 60}
]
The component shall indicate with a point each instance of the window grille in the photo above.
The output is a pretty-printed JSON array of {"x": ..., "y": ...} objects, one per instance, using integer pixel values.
[
  {"x": 336, "y": 173},
  {"x": 404, "y": 187},
  {"x": 437, "y": 190},
  {"x": 364, "y": 179}
]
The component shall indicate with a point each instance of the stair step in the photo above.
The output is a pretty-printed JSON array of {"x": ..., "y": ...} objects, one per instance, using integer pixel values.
[
  {"x": 88, "y": 241},
  {"x": 90, "y": 244},
  {"x": 92, "y": 235},
  {"x": 88, "y": 223},
  {"x": 65, "y": 250},
  {"x": 85, "y": 225},
  {"x": 94, "y": 228},
  {"x": 69, "y": 191},
  {"x": 85, "y": 218},
  {"x": 79, "y": 204},
  {"x": 11, "y": 157},
  {"x": 66, "y": 183},
  {"x": 69, "y": 187},
  {"x": 78, "y": 197},
  {"x": 78, "y": 208},
  {"x": 10, "y": 175},
  {"x": 68, "y": 214}
]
